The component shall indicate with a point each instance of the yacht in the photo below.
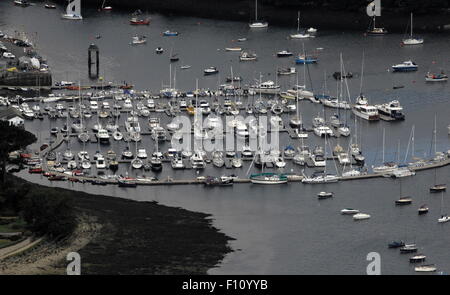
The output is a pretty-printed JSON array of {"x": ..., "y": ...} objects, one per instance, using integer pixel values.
[
  {"x": 210, "y": 71},
  {"x": 177, "y": 163},
  {"x": 159, "y": 133},
  {"x": 319, "y": 177},
  {"x": 268, "y": 87},
  {"x": 103, "y": 136},
  {"x": 137, "y": 163},
  {"x": 323, "y": 131},
  {"x": 406, "y": 66},
  {"x": 141, "y": 153},
  {"x": 155, "y": 162},
  {"x": 197, "y": 161},
  {"x": 284, "y": 53},
  {"x": 258, "y": 23},
  {"x": 132, "y": 125},
  {"x": 100, "y": 162},
  {"x": 412, "y": 40},
  {"x": 365, "y": 111},
  {"x": 391, "y": 110}
]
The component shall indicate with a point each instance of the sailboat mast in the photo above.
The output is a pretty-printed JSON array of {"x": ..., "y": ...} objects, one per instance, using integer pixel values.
[
  {"x": 298, "y": 21},
  {"x": 411, "y": 24},
  {"x": 434, "y": 134},
  {"x": 383, "y": 141},
  {"x": 256, "y": 10}
]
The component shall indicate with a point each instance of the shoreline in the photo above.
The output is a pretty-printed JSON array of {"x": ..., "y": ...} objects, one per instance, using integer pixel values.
[{"x": 143, "y": 238}]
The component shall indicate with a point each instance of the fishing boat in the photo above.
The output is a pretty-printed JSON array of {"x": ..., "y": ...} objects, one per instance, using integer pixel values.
[
  {"x": 412, "y": 40},
  {"x": 425, "y": 268},
  {"x": 406, "y": 66},
  {"x": 441, "y": 77},
  {"x": 303, "y": 59},
  {"x": 361, "y": 216},
  {"x": 138, "y": 40},
  {"x": 139, "y": 21},
  {"x": 284, "y": 53},
  {"x": 391, "y": 111},
  {"x": 373, "y": 10},
  {"x": 73, "y": 10},
  {"x": 349, "y": 211},
  {"x": 268, "y": 178},
  {"x": 258, "y": 23},
  {"x": 299, "y": 35},
  {"x": 417, "y": 258},
  {"x": 170, "y": 33},
  {"x": 247, "y": 56},
  {"x": 325, "y": 195},
  {"x": 210, "y": 71}
]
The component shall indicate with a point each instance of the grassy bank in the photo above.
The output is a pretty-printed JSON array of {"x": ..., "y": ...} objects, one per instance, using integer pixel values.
[{"x": 127, "y": 237}]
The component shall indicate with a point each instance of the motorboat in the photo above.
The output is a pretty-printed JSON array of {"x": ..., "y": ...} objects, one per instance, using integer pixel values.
[
  {"x": 284, "y": 53},
  {"x": 177, "y": 163},
  {"x": 268, "y": 87},
  {"x": 361, "y": 216},
  {"x": 385, "y": 168},
  {"x": 323, "y": 131},
  {"x": 391, "y": 110},
  {"x": 406, "y": 66},
  {"x": 100, "y": 163},
  {"x": 170, "y": 33},
  {"x": 159, "y": 50},
  {"x": 443, "y": 219},
  {"x": 197, "y": 161},
  {"x": 141, "y": 153},
  {"x": 365, "y": 111},
  {"x": 138, "y": 40},
  {"x": 247, "y": 56},
  {"x": 127, "y": 154},
  {"x": 22, "y": 3},
  {"x": 235, "y": 49},
  {"x": 349, "y": 211},
  {"x": 103, "y": 136},
  {"x": 210, "y": 71}
]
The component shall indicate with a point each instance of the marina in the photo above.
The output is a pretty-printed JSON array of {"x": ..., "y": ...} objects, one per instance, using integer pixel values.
[{"x": 330, "y": 144}]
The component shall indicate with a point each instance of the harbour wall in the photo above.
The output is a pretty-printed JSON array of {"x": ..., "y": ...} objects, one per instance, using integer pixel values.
[{"x": 323, "y": 14}]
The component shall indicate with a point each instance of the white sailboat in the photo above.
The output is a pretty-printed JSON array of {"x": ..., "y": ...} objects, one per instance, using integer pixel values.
[
  {"x": 444, "y": 217},
  {"x": 299, "y": 35},
  {"x": 257, "y": 23},
  {"x": 411, "y": 40},
  {"x": 373, "y": 10},
  {"x": 73, "y": 10}
]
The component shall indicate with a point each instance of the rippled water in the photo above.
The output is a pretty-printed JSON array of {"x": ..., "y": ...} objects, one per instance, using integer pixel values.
[{"x": 278, "y": 229}]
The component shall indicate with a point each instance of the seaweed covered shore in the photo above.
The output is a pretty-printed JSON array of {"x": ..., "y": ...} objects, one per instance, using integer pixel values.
[{"x": 118, "y": 236}]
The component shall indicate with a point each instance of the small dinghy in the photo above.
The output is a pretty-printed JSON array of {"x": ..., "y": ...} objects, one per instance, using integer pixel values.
[
  {"x": 159, "y": 50},
  {"x": 417, "y": 258},
  {"x": 425, "y": 268},
  {"x": 185, "y": 67},
  {"x": 349, "y": 211},
  {"x": 361, "y": 216},
  {"x": 325, "y": 195}
]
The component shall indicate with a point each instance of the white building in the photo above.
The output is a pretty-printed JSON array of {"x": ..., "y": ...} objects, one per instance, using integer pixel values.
[{"x": 13, "y": 116}]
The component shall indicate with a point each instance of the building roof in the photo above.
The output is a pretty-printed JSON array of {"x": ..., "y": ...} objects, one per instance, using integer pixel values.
[{"x": 9, "y": 113}]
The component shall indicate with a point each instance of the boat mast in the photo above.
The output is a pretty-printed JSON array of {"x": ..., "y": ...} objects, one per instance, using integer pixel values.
[
  {"x": 434, "y": 134},
  {"x": 383, "y": 142},
  {"x": 256, "y": 10},
  {"x": 298, "y": 21},
  {"x": 411, "y": 25}
]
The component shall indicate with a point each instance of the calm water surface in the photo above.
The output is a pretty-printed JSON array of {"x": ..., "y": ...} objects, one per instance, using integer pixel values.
[{"x": 278, "y": 229}]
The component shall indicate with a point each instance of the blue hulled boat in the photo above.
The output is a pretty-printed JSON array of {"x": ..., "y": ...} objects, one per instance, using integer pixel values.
[
  {"x": 406, "y": 66},
  {"x": 305, "y": 59}
]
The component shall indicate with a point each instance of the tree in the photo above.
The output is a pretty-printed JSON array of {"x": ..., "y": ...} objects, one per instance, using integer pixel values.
[{"x": 12, "y": 139}]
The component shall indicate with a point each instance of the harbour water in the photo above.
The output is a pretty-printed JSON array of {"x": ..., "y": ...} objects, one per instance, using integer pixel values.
[{"x": 278, "y": 229}]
